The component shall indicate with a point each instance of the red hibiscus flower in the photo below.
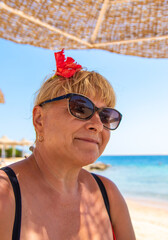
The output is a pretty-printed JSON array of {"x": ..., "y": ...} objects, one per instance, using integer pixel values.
[{"x": 65, "y": 67}]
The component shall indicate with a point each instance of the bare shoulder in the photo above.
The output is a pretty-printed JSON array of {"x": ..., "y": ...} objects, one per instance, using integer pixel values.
[
  {"x": 6, "y": 192},
  {"x": 119, "y": 211},
  {"x": 112, "y": 190},
  {"x": 7, "y": 206}
]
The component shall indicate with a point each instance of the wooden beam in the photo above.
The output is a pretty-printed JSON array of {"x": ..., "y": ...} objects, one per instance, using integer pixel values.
[
  {"x": 99, "y": 21},
  {"x": 97, "y": 45}
]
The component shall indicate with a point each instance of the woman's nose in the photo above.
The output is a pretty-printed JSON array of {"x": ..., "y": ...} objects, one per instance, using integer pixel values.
[{"x": 95, "y": 123}]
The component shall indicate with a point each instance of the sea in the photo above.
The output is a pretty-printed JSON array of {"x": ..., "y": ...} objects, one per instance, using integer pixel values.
[{"x": 141, "y": 177}]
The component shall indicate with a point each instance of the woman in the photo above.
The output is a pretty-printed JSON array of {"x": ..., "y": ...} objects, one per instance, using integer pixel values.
[{"x": 55, "y": 197}]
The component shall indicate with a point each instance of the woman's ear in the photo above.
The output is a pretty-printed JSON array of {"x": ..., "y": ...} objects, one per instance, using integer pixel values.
[{"x": 38, "y": 119}]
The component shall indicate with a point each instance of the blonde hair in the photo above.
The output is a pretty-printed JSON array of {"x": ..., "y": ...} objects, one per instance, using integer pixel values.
[{"x": 83, "y": 82}]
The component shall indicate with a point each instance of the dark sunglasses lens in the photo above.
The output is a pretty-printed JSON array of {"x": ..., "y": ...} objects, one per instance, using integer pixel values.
[
  {"x": 110, "y": 118},
  {"x": 80, "y": 107}
]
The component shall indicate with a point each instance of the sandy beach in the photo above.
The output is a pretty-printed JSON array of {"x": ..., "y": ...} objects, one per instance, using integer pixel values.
[{"x": 149, "y": 218}]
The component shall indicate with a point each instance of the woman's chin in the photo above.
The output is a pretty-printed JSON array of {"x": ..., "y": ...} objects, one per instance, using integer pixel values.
[{"x": 88, "y": 158}]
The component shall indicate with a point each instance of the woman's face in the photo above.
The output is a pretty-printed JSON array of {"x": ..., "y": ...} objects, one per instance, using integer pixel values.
[{"x": 67, "y": 137}]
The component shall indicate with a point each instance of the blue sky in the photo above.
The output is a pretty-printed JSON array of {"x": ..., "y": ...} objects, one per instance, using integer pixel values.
[{"x": 141, "y": 86}]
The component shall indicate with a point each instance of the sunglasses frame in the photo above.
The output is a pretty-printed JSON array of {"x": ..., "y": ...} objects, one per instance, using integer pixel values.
[{"x": 95, "y": 109}]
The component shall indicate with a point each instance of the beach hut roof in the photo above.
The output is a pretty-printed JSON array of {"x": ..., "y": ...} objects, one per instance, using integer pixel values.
[
  {"x": 4, "y": 140},
  {"x": 25, "y": 142}
]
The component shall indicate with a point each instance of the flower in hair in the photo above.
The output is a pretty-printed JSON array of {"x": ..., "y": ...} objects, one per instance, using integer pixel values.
[{"x": 65, "y": 67}]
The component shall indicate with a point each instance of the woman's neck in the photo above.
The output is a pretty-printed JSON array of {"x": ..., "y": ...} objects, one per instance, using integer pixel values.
[{"x": 58, "y": 175}]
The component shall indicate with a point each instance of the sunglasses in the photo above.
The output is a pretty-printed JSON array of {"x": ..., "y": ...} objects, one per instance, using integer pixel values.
[{"x": 83, "y": 108}]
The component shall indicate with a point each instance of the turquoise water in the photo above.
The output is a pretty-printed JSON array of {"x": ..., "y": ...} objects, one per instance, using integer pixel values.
[{"x": 144, "y": 177}]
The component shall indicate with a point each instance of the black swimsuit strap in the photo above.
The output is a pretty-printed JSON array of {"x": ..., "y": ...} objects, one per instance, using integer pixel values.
[
  {"x": 104, "y": 193},
  {"x": 16, "y": 189}
]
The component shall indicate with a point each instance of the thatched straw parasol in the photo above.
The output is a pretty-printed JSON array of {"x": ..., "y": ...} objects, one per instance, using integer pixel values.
[
  {"x": 5, "y": 142},
  {"x": 131, "y": 27},
  {"x": 2, "y": 100},
  {"x": 25, "y": 142}
]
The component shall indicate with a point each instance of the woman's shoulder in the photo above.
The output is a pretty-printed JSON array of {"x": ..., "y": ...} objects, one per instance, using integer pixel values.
[
  {"x": 5, "y": 186},
  {"x": 6, "y": 192},
  {"x": 110, "y": 186},
  {"x": 115, "y": 197},
  {"x": 7, "y": 205}
]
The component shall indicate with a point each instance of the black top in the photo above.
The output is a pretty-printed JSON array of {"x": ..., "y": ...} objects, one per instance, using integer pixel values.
[{"x": 16, "y": 188}]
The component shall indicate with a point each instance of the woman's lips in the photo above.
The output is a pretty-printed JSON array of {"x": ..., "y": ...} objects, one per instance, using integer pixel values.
[{"x": 91, "y": 140}]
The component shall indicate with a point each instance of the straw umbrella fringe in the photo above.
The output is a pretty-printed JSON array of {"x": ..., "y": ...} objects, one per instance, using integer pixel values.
[
  {"x": 134, "y": 27},
  {"x": 2, "y": 100}
]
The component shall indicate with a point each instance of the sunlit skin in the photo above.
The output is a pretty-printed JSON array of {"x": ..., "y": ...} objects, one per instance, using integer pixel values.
[
  {"x": 54, "y": 185},
  {"x": 66, "y": 137},
  {"x": 69, "y": 143}
]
